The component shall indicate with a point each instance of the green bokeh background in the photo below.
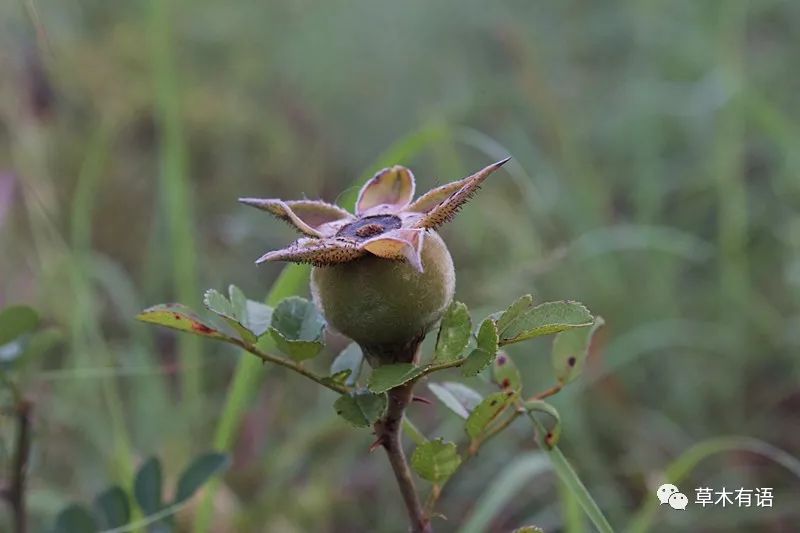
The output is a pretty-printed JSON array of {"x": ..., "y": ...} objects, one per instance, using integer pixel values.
[{"x": 655, "y": 177}]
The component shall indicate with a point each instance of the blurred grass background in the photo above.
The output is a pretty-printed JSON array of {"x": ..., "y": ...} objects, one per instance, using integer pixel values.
[{"x": 656, "y": 178}]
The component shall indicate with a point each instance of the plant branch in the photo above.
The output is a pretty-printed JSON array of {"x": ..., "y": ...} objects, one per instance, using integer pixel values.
[
  {"x": 16, "y": 394},
  {"x": 433, "y": 498},
  {"x": 389, "y": 433},
  {"x": 496, "y": 430},
  {"x": 14, "y": 494},
  {"x": 293, "y": 365},
  {"x": 476, "y": 444},
  {"x": 430, "y": 368},
  {"x": 555, "y": 389},
  {"x": 435, "y": 367}
]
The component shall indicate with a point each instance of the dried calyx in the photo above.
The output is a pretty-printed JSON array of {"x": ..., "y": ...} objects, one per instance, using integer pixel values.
[{"x": 383, "y": 276}]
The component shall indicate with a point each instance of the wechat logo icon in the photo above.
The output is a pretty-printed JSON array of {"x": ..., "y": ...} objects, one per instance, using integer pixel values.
[{"x": 670, "y": 495}]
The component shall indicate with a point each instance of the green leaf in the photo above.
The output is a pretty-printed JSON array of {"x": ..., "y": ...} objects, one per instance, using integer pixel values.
[
  {"x": 349, "y": 360},
  {"x": 487, "y": 336},
  {"x": 514, "y": 311},
  {"x": 454, "y": 333},
  {"x": 259, "y": 317},
  {"x": 436, "y": 460},
  {"x": 476, "y": 362},
  {"x": 298, "y": 319},
  {"x": 570, "y": 349},
  {"x": 75, "y": 519},
  {"x": 505, "y": 373},
  {"x": 248, "y": 318},
  {"x": 361, "y": 409},
  {"x": 484, "y": 354},
  {"x": 198, "y": 473},
  {"x": 528, "y": 529},
  {"x": 180, "y": 317},
  {"x": 216, "y": 302},
  {"x": 147, "y": 486},
  {"x": 297, "y": 328},
  {"x": 388, "y": 377},
  {"x": 238, "y": 303},
  {"x": 553, "y": 434},
  {"x": 545, "y": 319},
  {"x": 457, "y": 397},
  {"x": 490, "y": 408},
  {"x": 296, "y": 349},
  {"x": 233, "y": 311},
  {"x": 15, "y": 321},
  {"x": 113, "y": 507}
]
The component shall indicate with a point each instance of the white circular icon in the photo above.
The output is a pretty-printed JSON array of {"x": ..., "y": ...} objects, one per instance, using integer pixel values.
[
  {"x": 678, "y": 501},
  {"x": 665, "y": 491}
]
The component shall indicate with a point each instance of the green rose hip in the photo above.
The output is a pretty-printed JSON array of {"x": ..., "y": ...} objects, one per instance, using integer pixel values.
[
  {"x": 383, "y": 276},
  {"x": 387, "y": 307}
]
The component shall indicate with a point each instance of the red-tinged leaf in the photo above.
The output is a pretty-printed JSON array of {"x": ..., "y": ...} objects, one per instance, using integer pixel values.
[{"x": 182, "y": 318}]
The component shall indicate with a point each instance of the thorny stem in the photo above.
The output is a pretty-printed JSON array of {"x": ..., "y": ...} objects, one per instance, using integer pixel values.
[
  {"x": 389, "y": 432},
  {"x": 14, "y": 494}
]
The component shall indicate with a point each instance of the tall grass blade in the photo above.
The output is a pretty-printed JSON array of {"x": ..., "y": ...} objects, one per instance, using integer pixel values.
[
  {"x": 85, "y": 334},
  {"x": 247, "y": 377},
  {"x": 503, "y": 488},
  {"x": 175, "y": 192},
  {"x": 570, "y": 478}
]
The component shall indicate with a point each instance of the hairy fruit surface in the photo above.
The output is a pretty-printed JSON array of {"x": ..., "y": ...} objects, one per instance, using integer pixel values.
[
  {"x": 387, "y": 307},
  {"x": 382, "y": 276}
]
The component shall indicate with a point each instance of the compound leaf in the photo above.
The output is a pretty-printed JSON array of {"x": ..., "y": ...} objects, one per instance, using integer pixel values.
[
  {"x": 436, "y": 460},
  {"x": 361, "y": 409},
  {"x": 388, "y": 377},
  {"x": 180, "y": 317},
  {"x": 454, "y": 333},
  {"x": 545, "y": 319},
  {"x": 489, "y": 409},
  {"x": 198, "y": 473},
  {"x": 570, "y": 349}
]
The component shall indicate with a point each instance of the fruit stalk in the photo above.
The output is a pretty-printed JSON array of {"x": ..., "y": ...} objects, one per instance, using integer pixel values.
[{"x": 389, "y": 433}]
